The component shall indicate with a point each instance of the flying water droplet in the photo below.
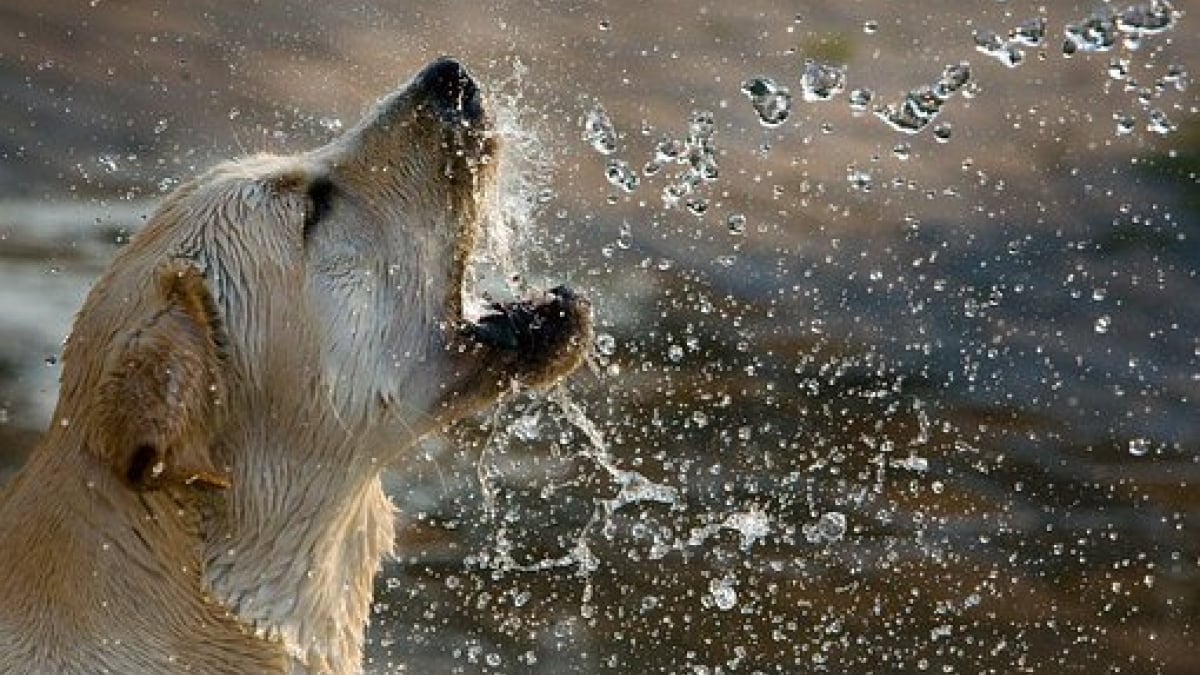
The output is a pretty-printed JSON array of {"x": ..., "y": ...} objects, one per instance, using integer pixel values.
[
  {"x": 859, "y": 180},
  {"x": 722, "y": 594},
  {"x": 772, "y": 102},
  {"x": 1031, "y": 33},
  {"x": 860, "y": 100},
  {"x": 1149, "y": 18},
  {"x": 620, "y": 174},
  {"x": 830, "y": 527},
  {"x": 736, "y": 223},
  {"x": 922, "y": 105},
  {"x": 1126, "y": 124},
  {"x": 606, "y": 344},
  {"x": 527, "y": 427},
  {"x": 1097, "y": 33},
  {"x": 598, "y": 131},
  {"x": 822, "y": 81},
  {"x": 1158, "y": 123}
]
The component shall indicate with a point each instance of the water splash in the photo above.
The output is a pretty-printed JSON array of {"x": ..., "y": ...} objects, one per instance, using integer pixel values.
[
  {"x": 632, "y": 488},
  {"x": 524, "y": 175}
]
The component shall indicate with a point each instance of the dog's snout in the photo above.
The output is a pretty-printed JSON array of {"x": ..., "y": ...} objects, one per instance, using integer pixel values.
[{"x": 447, "y": 84}]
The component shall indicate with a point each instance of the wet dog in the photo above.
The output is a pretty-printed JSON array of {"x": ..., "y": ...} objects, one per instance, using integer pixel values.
[{"x": 208, "y": 497}]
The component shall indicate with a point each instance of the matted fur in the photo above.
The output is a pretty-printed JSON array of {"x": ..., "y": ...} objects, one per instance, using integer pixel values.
[{"x": 208, "y": 497}]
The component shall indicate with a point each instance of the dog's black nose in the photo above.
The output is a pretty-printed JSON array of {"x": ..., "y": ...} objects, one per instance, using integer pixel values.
[{"x": 447, "y": 84}]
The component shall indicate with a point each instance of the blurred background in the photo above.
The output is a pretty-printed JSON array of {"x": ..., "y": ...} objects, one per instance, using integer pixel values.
[{"x": 898, "y": 361}]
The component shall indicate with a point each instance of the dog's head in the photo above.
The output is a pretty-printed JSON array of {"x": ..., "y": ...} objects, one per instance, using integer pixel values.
[{"x": 317, "y": 295}]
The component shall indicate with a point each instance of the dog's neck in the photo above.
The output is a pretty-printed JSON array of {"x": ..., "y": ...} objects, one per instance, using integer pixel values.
[
  {"x": 100, "y": 549},
  {"x": 292, "y": 549}
]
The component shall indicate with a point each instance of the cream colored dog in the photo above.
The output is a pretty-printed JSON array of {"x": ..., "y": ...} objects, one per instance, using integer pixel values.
[{"x": 208, "y": 499}]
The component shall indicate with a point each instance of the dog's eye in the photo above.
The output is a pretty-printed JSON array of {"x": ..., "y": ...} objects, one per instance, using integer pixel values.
[{"x": 320, "y": 200}]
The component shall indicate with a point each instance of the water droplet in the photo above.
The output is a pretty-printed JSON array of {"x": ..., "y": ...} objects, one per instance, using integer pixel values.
[
  {"x": 605, "y": 24},
  {"x": 859, "y": 180},
  {"x": 736, "y": 223},
  {"x": 1126, "y": 124},
  {"x": 902, "y": 152},
  {"x": 1031, "y": 33},
  {"x": 870, "y": 26},
  {"x": 621, "y": 175},
  {"x": 606, "y": 344},
  {"x": 772, "y": 102},
  {"x": 1097, "y": 33},
  {"x": 697, "y": 206},
  {"x": 943, "y": 132},
  {"x": 1158, "y": 123},
  {"x": 527, "y": 427},
  {"x": 822, "y": 81},
  {"x": 1102, "y": 324},
  {"x": 598, "y": 131},
  {"x": 1148, "y": 18},
  {"x": 669, "y": 150},
  {"x": 1118, "y": 69},
  {"x": 830, "y": 527},
  {"x": 1177, "y": 76},
  {"x": 1138, "y": 447},
  {"x": 723, "y": 595},
  {"x": 860, "y": 100}
]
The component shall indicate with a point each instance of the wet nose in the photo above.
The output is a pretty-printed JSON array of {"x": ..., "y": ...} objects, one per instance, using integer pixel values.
[{"x": 447, "y": 84}]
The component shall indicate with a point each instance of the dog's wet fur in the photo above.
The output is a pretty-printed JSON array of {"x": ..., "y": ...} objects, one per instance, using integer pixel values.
[{"x": 208, "y": 498}]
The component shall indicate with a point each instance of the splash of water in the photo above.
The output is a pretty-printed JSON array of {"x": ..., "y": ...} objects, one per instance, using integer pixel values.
[{"x": 524, "y": 175}]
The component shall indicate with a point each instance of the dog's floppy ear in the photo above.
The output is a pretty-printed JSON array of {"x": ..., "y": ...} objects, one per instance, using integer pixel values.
[{"x": 161, "y": 396}]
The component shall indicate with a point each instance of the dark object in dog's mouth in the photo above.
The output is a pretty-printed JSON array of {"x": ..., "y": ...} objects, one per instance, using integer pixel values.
[{"x": 534, "y": 329}]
